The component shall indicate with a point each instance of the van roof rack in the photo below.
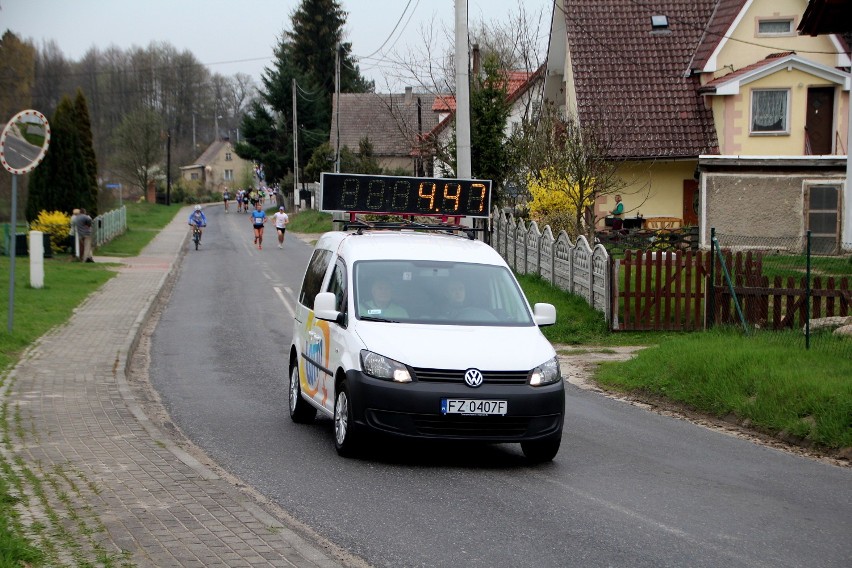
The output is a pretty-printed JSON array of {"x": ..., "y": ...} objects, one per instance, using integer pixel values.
[{"x": 361, "y": 225}]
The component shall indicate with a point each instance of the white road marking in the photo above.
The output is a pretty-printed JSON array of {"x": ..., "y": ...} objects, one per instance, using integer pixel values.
[{"x": 284, "y": 300}]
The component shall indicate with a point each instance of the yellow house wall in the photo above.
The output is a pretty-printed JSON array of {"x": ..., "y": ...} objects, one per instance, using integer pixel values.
[
  {"x": 653, "y": 189},
  {"x": 745, "y": 46},
  {"x": 216, "y": 173},
  {"x": 732, "y": 115}
]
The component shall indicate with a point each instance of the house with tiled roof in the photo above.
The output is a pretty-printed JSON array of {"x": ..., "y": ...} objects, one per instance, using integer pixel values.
[
  {"x": 218, "y": 168},
  {"x": 393, "y": 124},
  {"x": 523, "y": 93},
  {"x": 722, "y": 114}
]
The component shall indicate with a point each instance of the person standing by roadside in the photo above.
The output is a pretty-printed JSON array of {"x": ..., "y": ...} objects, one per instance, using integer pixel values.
[
  {"x": 258, "y": 220},
  {"x": 617, "y": 214},
  {"x": 226, "y": 196},
  {"x": 84, "y": 232},
  {"x": 281, "y": 219}
]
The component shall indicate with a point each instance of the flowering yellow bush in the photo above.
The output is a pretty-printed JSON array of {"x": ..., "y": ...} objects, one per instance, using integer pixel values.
[
  {"x": 56, "y": 224},
  {"x": 551, "y": 193}
]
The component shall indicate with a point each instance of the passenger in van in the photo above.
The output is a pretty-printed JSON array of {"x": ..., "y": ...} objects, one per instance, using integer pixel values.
[{"x": 381, "y": 303}]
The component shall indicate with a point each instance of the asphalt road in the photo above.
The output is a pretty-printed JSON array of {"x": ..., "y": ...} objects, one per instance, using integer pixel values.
[{"x": 628, "y": 488}]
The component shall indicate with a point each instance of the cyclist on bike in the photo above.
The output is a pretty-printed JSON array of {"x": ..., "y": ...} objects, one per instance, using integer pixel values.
[{"x": 198, "y": 219}]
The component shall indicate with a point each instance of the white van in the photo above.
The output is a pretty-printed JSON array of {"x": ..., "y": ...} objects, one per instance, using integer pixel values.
[{"x": 423, "y": 335}]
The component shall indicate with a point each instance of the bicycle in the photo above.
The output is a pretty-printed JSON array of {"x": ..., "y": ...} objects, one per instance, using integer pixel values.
[{"x": 196, "y": 235}]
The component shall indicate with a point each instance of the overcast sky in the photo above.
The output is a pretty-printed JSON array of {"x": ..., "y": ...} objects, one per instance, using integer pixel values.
[{"x": 239, "y": 35}]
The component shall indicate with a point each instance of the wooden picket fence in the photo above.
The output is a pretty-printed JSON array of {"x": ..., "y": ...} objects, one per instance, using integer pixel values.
[
  {"x": 667, "y": 291},
  {"x": 660, "y": 290},
  {"x": 779, "y": 304}
]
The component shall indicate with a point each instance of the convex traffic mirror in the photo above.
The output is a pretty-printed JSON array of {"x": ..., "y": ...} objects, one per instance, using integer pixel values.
[{"x": 24, "y": 141}]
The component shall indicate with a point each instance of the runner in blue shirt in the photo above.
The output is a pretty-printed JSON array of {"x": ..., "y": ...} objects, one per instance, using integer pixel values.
[{"x": 258, "y": 219}]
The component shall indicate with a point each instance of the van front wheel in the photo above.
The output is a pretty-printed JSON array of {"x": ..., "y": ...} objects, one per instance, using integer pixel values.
[
  {"x": 345, "y": 433},
  {"x": 539, "y": 451}
]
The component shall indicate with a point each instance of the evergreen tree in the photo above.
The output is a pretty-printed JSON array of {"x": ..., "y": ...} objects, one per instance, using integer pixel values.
[
  {"x": 489, "y": 111},
  {"x": 307, "y": 54},
  {"x": 60, "y": 182},
  {"x": 84, "y": 130}
]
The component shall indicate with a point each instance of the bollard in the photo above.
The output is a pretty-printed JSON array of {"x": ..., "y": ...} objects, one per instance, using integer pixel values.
[{"x": 36, "y": 259}]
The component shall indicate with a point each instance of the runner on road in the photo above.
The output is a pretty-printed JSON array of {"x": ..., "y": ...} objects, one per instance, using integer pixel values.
[
  {"x": 281, "y": 219},
  {"x": 258, "y": 219}
]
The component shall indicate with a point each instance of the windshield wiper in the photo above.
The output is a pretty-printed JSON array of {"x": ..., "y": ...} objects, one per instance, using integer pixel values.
[{"x": 374, "y": 318}]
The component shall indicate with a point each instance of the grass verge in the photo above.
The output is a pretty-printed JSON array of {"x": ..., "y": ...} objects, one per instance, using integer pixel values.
[
  {"x": 803, "y": 396},
  {"x": 36, "y": 311}
]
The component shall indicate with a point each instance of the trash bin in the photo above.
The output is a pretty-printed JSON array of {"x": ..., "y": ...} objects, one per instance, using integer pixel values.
[{"x": 22, "y": 247}]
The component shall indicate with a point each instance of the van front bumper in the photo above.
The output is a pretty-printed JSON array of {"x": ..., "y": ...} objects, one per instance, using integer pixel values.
[{"x": 414, "y": 410}]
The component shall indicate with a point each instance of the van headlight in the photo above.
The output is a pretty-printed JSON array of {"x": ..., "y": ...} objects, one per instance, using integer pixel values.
[
  {"x": 382, "y": 367},
  {"x": 546, "y": 374}
]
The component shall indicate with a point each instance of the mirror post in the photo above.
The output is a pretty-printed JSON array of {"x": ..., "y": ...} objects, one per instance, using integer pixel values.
[
  {"x": 12, "y": 251},
  {"x": 23, "y": 143}
]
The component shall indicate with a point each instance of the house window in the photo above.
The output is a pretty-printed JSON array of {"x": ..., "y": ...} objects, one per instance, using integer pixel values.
[
  {"x": 229, "y": 175},
  {"x": 822, "y": 217},
  {"x": 228, "y": 157},
  {"x": 769, "y": 109},
  {"x": 774, "y": 27},
  {"x": 193, "y": 176}
]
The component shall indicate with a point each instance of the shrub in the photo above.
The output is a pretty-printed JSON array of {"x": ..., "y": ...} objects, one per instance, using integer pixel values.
[{"x": 56, "y": 224}]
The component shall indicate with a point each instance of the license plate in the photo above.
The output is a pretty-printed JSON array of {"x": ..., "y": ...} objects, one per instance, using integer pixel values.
[{"x": 473, "y": 406}]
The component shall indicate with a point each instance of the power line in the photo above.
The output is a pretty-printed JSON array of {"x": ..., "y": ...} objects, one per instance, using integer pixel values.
[{"x": 401, "y": 16}]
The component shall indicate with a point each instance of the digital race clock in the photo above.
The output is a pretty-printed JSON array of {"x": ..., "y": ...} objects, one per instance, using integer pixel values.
[{"x": 401, "y": 195}]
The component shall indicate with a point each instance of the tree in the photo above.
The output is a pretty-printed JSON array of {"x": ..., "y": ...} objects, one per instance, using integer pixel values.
[
  {"x": 60, "y": 182},
  {"x": 84, "y": 131},
  {"x": 489, "y": 112},
  {"x": 138, "y": 145},
  {"x": 561, "y": 155},
  {"x": 305, "y": 54},
  {"x": 17, "y": 75}
]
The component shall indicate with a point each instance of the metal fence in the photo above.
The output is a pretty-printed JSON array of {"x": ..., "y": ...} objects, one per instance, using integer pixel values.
[
  {"x": 574, "y": 267},
  {"x": 785, "y": 286},
  {"x": 108, "y": 226}
]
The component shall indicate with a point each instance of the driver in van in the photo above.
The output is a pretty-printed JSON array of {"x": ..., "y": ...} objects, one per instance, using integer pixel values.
[
  {"x": 455, "y": 294},
  {"x": 381, "y": 302}
]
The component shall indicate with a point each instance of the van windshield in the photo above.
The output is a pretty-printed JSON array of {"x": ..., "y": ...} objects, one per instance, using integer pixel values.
[{"x": 440, "y": 293}]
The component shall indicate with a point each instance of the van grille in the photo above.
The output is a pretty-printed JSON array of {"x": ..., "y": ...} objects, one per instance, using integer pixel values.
[
  {"x": 455, "y": 376},
  {"x": 480, "y": 427}
]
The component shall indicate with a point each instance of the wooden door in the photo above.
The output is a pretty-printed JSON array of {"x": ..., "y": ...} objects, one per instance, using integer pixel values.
[
  {"x": 820, "y": 120},
  {"x": 690, "y": 202}
]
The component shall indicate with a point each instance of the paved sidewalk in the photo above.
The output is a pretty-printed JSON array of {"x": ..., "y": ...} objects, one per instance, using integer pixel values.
[{"x": 105, "y": 485}]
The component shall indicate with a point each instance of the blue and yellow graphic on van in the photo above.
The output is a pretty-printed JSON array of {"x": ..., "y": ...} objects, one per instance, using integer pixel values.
[{"x": 315, "y": 358}]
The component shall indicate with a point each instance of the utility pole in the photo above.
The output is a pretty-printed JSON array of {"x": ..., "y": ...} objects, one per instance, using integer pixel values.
[
  {"x": 337, "y": 106},
  {"x": 463, "y": 166},
  {"x": 168, "y": 167},
  {"x": 295, "y": 151}
]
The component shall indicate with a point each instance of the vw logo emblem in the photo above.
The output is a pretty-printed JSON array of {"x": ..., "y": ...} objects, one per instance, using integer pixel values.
[{"x": 473, "y": 377}]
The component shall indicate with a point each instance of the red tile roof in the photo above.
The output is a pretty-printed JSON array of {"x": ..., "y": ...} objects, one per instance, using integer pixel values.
[
  {"x": 519, "y": 81},
  {"x": 724, "y": 14},
  {"x": 632, "y": 81},
  {"x": 710, "y": 86}
]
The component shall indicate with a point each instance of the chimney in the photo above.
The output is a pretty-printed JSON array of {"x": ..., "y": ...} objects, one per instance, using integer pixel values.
[
  {"x": 476, "y": 60},
  {"x": 407, "y": 96}
]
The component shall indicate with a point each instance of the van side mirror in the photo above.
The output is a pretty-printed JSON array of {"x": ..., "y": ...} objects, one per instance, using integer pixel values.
[
  {"x": 544, "y": 314},
  {"x": 325, "y": 307}
]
